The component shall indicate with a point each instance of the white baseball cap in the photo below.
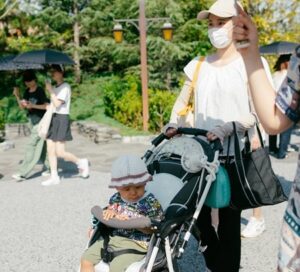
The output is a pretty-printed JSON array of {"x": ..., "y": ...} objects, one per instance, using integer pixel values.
[
  {"x": 221, "y": 8},
  {"x": 128, "y": 170}
]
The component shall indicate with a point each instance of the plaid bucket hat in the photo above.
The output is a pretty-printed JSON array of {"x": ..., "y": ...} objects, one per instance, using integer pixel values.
[{"x": 128, "y": 170}]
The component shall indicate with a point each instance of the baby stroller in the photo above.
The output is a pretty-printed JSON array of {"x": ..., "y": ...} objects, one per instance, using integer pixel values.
[{"x": 183, "y": 170}]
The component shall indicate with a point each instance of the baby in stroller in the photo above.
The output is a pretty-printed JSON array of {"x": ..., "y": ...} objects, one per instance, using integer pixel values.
[
  {"x": 129, "y": 177},
  {"x": 183, "y": 170}
]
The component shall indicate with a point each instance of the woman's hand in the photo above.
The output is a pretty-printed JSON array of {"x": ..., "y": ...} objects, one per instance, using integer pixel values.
[
  {"x": 245, "y": 29},
  {"x": 29, "y": 105},
  {"x": 16, "y": 92},
  {"x": 220, "y": 132},
  {"x": 211, "y": 136},
  {"x": 255, "y": 142},
  {"x": 170, "y": 130},
  {"x": 48, "y": 87}
]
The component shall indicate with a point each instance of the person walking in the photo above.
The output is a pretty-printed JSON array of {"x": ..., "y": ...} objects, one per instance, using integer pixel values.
[
  {"x": 279, "y": 76},
  {"x": 277, "y": 112},
  {"x": 220, "y": 97},
  {"x": 34, "y": 102},
  {"x": 280, "y": 81},
  {"x": 60, "y": 130}
]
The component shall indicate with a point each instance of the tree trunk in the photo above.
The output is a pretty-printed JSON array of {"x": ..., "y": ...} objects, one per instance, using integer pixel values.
[{"x": 76, "y": 30}]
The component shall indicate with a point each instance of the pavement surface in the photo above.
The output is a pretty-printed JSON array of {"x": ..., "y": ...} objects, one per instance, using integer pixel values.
[{"x": 45, "y": 229}]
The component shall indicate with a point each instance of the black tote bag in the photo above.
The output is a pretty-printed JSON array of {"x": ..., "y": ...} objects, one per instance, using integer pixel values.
[{"x": 257, "y": 185}]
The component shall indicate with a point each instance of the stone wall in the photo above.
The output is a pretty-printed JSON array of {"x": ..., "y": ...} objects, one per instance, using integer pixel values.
[{"x": 98, "y": 133}]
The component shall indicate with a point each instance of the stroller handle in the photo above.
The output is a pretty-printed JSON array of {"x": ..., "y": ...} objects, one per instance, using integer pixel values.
[{"x": 217, "y": 145}]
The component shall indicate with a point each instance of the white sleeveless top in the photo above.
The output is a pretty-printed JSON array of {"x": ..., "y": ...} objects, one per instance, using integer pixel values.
[{"x": 221, "y": 94}]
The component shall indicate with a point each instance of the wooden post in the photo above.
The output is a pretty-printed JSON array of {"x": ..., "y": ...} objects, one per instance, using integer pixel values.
[{"x": 144, "y": 72}]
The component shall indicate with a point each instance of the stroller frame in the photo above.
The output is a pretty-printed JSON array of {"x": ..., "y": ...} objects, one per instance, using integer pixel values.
[{"x": 172, "y": 246}]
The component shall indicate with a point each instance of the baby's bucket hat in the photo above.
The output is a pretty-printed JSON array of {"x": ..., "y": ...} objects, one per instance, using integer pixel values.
[{"x": 128, "y": 170}]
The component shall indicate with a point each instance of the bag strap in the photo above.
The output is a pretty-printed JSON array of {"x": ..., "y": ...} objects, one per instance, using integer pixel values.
[
  {"x": 240, "y": 167},
  {"x": 192, "y": 87},
  {"x": 238, "y": 155},
  {"x": 256, "y": 118},
  {"x": 108, "y": 254},
  {"x": 196, "y": 75}
]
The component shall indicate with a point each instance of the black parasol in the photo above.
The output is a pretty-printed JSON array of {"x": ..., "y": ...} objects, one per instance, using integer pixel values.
[
  {"x": 7, "y": 64},
  {"x": 278, "y": 48},
  {"x": 45, "y": 56}
]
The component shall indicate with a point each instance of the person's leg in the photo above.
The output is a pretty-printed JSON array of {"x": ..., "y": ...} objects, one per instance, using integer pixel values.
[
  {"x": 122, "y": 262},
  {"x": 209, "y": 238},
  {"x": 229, "y": 231},
  {"x": 54, "y": 179},
  {"x": 44, "y": 158},
  {"x": 33, "y": 153},
  {"x": 257, "y": 213},
  {"x": 51, "y": 146},
  {"x": 86, "y": 266},
  {"x": 62, "y": 153},
  {"x": 273, "y": 143},
  {"x": 285, "y": 138},
  {"x": 256, "y": 225},
  {"x": 91, "y": 257},
  {"x": 82, "y": 164}
]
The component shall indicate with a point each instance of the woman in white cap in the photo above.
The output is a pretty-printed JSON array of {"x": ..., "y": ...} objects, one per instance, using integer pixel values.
[
  {"x": 129, "y": 176},
  {"x": 220, "y": 97},
  {"x": 277, "y": 112},
  {"x": 59, "y": 130}
]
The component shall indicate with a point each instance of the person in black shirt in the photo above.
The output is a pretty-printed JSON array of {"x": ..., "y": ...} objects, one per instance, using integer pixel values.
[{"x": 34, "y": 102}]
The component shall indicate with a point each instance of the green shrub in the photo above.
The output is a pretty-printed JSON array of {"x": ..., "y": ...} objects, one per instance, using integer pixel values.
[
  {"x": 128, "y": 109},
  {"x": 160, "y": 108},
  {"x": 113, "y": 90},
  {"x": 12, "y": 112},
  {"x": 87, "y": 98}
]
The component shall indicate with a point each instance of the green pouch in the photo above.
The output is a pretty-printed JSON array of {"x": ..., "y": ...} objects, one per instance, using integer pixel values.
[{"x": 219, "y": 193}]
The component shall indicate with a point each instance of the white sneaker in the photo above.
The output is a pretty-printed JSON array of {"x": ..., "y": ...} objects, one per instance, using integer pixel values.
[
  {"x": 291, "y": 149},
  {"x": 254, "y": 228},
  {"x": 45, "y": 173},
  {"x": 18, "y": 177},
  {"x": 83, "y": 167},
  {"x": 51, "y": 181}
]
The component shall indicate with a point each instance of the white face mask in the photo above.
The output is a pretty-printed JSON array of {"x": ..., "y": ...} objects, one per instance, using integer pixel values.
[{"x": 219, "y": 37}]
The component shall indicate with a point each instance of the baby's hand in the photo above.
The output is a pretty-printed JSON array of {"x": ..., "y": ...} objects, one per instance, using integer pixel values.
[
  {"x": 122, "y": 217},
  {"x": 108, "y": 214}
]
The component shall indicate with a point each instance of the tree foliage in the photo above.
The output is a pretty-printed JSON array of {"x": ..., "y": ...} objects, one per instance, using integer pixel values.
[{"x": 36, "y": 24}]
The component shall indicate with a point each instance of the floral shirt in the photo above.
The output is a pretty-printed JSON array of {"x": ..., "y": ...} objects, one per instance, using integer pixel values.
[
  {"x": 148, "y": 206},
  {"x": 287, "y": 101}
]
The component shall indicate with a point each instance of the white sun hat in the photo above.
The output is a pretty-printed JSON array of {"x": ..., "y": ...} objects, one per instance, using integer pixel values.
[
  {"x": 128, "y": 170},
  {"x": 221, "y": 8}
]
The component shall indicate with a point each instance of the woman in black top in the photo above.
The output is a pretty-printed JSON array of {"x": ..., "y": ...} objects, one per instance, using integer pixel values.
[{"x": 34, "y": 102}]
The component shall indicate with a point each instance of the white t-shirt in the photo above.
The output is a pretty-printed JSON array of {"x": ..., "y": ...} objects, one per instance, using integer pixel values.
[
  {"x": 63, "y": 92},
  {"x": 221, "y": 94}
]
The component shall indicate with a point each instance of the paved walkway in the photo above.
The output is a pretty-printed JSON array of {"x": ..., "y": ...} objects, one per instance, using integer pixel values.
[{"x": 44, "y": 229}]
